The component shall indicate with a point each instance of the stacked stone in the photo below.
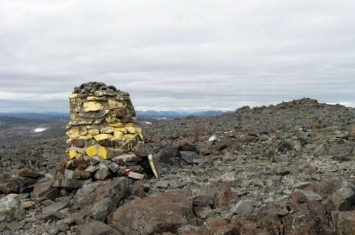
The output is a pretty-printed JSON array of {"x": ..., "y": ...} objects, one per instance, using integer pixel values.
[{"x": 103, "y": 139}]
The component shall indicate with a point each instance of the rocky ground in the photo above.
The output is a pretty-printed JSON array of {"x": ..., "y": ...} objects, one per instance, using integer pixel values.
[{"x": 283, "y": 169}]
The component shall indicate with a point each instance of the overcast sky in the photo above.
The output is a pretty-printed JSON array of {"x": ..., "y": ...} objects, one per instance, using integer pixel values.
[{"x": 186, "y": 54}]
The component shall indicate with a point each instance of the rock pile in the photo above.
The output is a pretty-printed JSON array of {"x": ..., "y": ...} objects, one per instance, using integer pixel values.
[{"x": 103, "y": 139}]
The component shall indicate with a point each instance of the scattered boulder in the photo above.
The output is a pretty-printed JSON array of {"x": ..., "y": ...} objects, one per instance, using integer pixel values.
[
  {"x": 166, "y": 212},
  {"x": 97, "y": 200}
]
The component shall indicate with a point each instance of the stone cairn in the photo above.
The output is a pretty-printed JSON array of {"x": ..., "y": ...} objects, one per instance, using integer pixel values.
[{"x": 103, "y": 139}]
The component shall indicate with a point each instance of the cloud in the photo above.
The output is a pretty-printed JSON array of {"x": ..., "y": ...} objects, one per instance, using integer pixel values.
[{"x": 177, "y": 54}]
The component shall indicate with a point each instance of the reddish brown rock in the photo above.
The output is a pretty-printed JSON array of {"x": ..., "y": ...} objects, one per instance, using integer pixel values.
[
  {"x": 344, "y": 222},
  {"x": 81, "y": 174},
  {"x": 80, "y": 164},
  {"x": 318, "y": 125},
  {"x": 221, "y": 195},
  {"x": 352, "y": 131},
  {"x": 186, "y": 145},
  {"x": 220, "y": 145},
  {"x": 246, "y": 225},
  {"x": 28, "y": 173},
  {"x": 43, "y": 191},
  {"x": 155, "y": 139},
  {"x": 292, "y": 217},
  {"x": 80, "y": 143},
  {"x": 205, "y": 151},
  {"x": 156, "y": 214},
  {"x": 213, "y": 225},
  {"x": 95, "y": 227}
]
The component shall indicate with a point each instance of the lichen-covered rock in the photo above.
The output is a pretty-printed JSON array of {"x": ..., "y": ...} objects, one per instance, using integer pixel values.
[{"x": 10, "y": 208}]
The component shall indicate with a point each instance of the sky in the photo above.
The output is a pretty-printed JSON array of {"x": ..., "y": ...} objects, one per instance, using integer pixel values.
[{"x": 177, "y": 55}]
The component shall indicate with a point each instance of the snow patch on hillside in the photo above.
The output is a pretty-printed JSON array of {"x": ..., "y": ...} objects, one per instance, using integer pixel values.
[{"x": 40, "y": 129}]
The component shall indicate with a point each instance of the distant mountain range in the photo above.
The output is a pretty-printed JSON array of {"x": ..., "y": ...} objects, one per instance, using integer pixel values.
[
  {"x": 32, "y": 118},
  {"x": 175, "y": 114}
]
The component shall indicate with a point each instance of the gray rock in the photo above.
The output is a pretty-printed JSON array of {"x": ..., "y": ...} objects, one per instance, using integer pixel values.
[
  {"x": 99, "y": 199},
  {"x": 14, "y": 225},
  {"x": 162, "y": 184},
  {"x": 66, "y": 183},
  {"x": 169, "y": 155},
  {"x": 112, "y": 166},
  {"x": 284, "y": 146},
  {"x": 202, "y": 212},
  {"x": 69, "y": 174},
  {"x": 10, "y": 209},
  {"x": 308, "y": 196},
  {"x": 343, "y": 199},
  {"x": 55, "y": 207},
  {"x": 102, "y": 208},
  {"x": 227, "y": 215},
  {"x": 214, "y": 172},
  {"x": 187, "y": 228},
  {"x": 92, "y": 168},
  {"x": 189, "y": 156},
  {"x": 224, "y": 231},
  {"x": 43, "y": 191},
  {"x": 243, "y": 207},
  {"x": 63, "y": 227},
  {"x": 103, "y": 174}
]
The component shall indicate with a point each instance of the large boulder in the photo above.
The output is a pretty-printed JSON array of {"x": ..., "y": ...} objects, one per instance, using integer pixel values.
[
  {"x": 156, "y": 214},
  {"x": 97, "y": 200}
]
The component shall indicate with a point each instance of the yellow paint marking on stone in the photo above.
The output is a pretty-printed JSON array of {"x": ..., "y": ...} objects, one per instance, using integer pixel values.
[
  {"x": 118, "y": 135},
  {"x": 116, "y": 124},
  {"x": 102, "y": 137},
  {"x": 107, "y": 130},
  {"x": 74, "y": 136},
  {"x": 139, "y": 132},
  {"x": 73, "y": 116},
  {"x": 123, "y": 130},
  {"x": 83, "y": 132},
  {"x": 102, "y": 153},
  {"x": 72, "y": 96},
  {"x": 91, "y": 98},
  {"x": 74, "y": 131},
  {"x": 97, "y": 150},
  {"x": 94, "y": 132},
  {"x": 129, "y": 137},
  {"x": 92, "y": 106},
  {"x": 131, "y": 130},
  {"x": 114, "y": 104},
  {"x": 72, "y": 153},
  {"x": 88, "y": 136},
  {"x": 91, "y": 151}
]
